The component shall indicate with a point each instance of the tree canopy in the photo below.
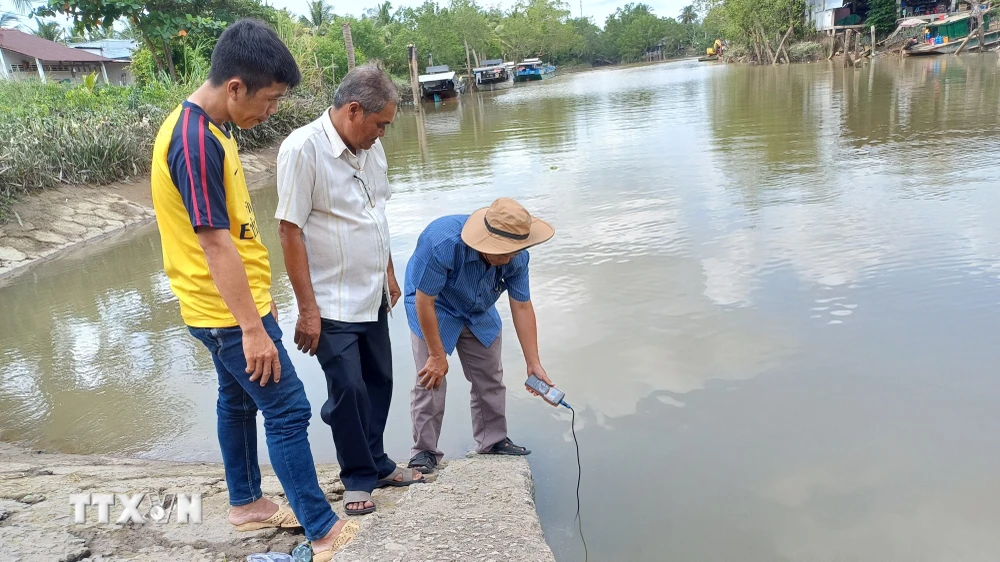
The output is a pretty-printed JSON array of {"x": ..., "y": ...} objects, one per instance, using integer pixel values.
[{"x": 445, "y": 31}]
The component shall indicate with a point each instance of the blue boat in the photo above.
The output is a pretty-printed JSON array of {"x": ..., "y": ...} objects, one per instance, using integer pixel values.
[{"x": 534, "y": 69}]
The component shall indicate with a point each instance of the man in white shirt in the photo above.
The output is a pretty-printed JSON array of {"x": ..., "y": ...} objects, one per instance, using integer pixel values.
[{"x": 332, "y": 190}]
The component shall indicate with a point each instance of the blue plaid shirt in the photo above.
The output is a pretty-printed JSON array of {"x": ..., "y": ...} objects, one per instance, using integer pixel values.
[{"x": 466, "y": 287}]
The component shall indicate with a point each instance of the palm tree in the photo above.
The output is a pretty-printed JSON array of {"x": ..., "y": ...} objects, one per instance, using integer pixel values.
[
  {"x": 23, "y": 6},
  {"x": 688, "y": 15},
  {"x": 10, "y": 20},
  {"x": 383, "y": 12},
  {"x": 50, "y": 30},
  {"x": 320, "y": 14},
  {"x": 95, "y": 34}
]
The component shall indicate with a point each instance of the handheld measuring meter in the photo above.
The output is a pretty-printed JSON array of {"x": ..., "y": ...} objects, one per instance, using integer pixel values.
[
  {"x": 554, "y": 396},
  {"x": 551, "y": 394}
]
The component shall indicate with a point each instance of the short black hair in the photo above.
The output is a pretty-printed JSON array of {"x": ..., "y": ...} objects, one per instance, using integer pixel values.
[{"x": 251, "y": 51}]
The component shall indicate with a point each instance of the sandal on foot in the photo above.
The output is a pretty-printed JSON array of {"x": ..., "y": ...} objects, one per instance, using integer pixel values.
[
  {"x": 282, "y": 519},
  {"x": 407, "y": 479},
  {"x": 346, "y": 535},
  {"x": 507, "y": 447},
  {"x": 424, "y": 461},
  {"x": 356, "y": 496}
]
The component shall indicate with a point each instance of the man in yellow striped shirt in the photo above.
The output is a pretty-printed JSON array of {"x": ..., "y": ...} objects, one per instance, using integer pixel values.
[{"x": 218, "y": 268}]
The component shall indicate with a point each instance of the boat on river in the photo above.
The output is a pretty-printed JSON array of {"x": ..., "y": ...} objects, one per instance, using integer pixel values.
[
  {"x": 493, "y": 75},
  {"x": 439, "y": 83},
  {"x": 534, "y": 69},
  {"x": 947, "y": 35}
]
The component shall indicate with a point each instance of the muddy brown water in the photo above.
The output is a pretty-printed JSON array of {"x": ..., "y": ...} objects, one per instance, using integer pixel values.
[{"x": 772, "y": 298}]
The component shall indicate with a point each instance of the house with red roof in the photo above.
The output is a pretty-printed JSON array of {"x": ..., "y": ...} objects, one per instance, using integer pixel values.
[{"x": 26, "y": 57}]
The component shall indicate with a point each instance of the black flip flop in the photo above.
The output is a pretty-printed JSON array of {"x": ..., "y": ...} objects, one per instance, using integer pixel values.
[
  {"x": 425, "y": 462},
  {"x": 507, "y": 447}
]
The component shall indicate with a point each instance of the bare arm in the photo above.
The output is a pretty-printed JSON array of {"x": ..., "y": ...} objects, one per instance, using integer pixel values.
[
  {"x": 229, "y": 275},
  {"x": 394, "y": 291},
  {"x": 437, "y": 362},
  {"x": 309, "y": 325},
  {"x": 526, "y": 327}
]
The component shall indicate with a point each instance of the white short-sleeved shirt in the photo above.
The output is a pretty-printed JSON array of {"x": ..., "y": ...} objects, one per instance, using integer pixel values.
[{"x": 338, "y": 200}]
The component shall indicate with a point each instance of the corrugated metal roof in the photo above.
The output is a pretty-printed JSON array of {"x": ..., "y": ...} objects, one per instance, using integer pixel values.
[
  {"x": 42, "y": 49},
  {"x": 117, "y": 49},
  {"x": 948, "y": 20}
]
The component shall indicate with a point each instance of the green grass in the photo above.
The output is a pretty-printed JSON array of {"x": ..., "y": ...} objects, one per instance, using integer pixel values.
[{"x": 54, "y": 134}]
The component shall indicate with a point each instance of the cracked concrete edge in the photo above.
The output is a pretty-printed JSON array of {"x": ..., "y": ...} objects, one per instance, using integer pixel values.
[
  {"x": 481, "y": 508},
  {"x": 259, "y": 167}
]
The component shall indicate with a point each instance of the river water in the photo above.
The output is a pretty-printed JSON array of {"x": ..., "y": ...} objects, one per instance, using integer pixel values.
[{"x": 771, "y": 297}]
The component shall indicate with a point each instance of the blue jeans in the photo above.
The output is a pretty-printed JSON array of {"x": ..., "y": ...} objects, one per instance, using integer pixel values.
[{"x": 286, "y": 419}]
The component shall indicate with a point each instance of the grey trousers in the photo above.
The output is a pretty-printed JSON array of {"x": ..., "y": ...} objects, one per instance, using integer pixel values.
[{"x": 482, "y": 367}]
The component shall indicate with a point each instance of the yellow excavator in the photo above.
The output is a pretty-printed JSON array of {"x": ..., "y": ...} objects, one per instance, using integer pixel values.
[{"x": 713, "y": 52}]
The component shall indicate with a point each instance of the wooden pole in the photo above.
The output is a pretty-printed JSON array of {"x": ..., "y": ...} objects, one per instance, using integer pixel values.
[
  {"x": 767, "y": 45},
  {"x": 873, "y": 41},
  {"x": 982, "y": 33},
  {"x": 414, "y": 74},
  {"x": 781, "y": 45},
  {"x": 847, "y": 48},
  {"x": 333, "y": 70},
  {"x": 964, "y": 43},
  {"x": 349, "y": 44},
  {"x": 468, "y": 64}
]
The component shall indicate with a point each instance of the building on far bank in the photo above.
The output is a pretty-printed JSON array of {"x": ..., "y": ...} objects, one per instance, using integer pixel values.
[
  {"x": 26, "y": 57},
  {"x": 118, "y": 50},
  {"x": 828, "y": 14}
]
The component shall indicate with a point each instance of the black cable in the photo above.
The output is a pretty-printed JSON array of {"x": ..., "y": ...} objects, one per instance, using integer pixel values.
[{"x": 579, "y": 478}]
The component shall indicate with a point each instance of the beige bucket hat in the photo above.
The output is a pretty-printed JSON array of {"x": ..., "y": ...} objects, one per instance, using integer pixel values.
[{"x": 505, "y": 227}]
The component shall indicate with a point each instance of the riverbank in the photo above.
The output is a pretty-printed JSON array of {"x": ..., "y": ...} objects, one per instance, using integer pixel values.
[
  {"x": 478, "y": 508},
  {"x": 48, "y": 222}
]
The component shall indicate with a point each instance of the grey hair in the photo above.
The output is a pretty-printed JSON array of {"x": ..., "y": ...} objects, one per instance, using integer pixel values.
[{"x": 368, "y": 85}]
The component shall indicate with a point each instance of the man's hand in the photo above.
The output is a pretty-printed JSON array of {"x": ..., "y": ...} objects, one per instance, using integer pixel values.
[
  {"x": 307, "y": 329},
  {"x": 433, "y": 372},
  {"x": 261, "y": 356},
  {"x": 539, "y": 372},
  {"x": 274, "y": 311},
  {"x": 394, "y": 292}
]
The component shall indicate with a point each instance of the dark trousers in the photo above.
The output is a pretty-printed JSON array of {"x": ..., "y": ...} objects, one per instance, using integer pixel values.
[{"x": 357, "y": 360}]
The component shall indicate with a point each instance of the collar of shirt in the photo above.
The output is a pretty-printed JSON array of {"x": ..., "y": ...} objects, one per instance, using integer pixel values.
[{"x": 339, "y": 146}]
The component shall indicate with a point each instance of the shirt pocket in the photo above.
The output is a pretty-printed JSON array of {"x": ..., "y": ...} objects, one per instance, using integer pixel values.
[{"x": 382, "y": 189}]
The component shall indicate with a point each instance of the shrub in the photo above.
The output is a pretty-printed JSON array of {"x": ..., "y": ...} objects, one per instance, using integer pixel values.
[
  {"x": 806, "y": 51},
  {"x": 58, "y": 134}
]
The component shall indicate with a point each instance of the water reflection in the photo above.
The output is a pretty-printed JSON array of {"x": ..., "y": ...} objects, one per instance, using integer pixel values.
[{"x": 771, "y": 297}]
